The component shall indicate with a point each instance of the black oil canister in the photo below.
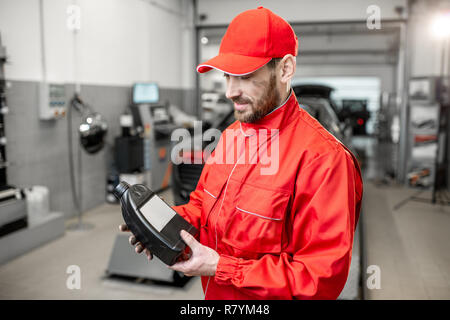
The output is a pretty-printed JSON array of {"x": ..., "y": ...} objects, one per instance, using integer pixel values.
[{"x": 152, "y": 221}]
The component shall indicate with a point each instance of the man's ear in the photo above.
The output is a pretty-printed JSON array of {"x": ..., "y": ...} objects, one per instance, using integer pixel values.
[{"x": 287, "y": 69}]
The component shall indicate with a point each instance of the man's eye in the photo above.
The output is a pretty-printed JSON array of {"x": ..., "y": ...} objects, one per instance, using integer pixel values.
[
  {"x": 225, "y": 75},
  {"x": 246, "y": 77}
]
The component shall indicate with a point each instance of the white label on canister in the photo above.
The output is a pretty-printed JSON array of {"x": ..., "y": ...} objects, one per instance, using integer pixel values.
[{"x": 157, "y": 212}]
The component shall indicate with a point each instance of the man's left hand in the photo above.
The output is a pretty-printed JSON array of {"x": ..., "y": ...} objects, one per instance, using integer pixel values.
[{"x": 203, "y": 261}]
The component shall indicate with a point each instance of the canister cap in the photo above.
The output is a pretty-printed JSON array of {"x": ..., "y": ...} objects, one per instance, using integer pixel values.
[{"x": 120, "y": 189}]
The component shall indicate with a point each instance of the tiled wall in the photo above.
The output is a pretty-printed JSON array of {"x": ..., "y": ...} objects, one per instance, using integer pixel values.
[{"x": 38, "y": 150}]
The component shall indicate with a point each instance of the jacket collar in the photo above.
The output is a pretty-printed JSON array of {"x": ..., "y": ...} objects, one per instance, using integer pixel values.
[{"x": 278, "y": 118}]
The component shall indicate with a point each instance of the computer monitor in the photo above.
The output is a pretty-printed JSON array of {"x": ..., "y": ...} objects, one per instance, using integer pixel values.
[{"x": 145, "y": 93}]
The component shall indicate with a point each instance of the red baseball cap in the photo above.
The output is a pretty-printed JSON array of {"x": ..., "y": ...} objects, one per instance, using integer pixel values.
[{"x": 252, "y": 39}]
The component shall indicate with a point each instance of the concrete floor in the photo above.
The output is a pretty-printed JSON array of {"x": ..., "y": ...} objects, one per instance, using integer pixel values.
[{"x": 409, "y": 245}]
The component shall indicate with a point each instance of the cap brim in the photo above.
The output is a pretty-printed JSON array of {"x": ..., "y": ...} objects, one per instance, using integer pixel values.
[{"x": 233, "y": 64}]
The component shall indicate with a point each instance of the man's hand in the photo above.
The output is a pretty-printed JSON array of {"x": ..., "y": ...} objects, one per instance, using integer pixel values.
[
  {"x": 203, "y": 261},
  {"x": 132, "y": 240}
]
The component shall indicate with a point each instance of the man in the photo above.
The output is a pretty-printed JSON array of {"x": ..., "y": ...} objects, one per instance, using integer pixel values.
[{"x": 282, "y": 234}]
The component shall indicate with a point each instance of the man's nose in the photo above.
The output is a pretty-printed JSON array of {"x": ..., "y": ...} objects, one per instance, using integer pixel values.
[{"x": 233, "y": 88}]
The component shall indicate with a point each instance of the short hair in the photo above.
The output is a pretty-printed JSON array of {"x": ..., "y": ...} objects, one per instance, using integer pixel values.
[{"x": 273, "y": 63}]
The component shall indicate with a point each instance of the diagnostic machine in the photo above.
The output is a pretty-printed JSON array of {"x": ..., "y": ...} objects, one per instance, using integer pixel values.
[{"x": 151, "y": 116}]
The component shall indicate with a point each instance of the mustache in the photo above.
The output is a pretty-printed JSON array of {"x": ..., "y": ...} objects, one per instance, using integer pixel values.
[{"x": 241, "y": 100}]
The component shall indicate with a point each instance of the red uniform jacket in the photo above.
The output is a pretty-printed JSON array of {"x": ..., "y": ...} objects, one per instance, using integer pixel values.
[{"x": 286, "y": 232}]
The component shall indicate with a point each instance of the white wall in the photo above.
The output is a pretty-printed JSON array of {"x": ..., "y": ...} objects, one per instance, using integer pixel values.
[
  {"x": 120, "y": 42},
  {"x": 19, "y": 29}
]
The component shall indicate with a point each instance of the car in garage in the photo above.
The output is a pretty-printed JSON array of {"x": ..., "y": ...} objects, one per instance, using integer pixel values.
[
  {"x": 355, "y": 111},
  {"x": 316, "y": 91}
]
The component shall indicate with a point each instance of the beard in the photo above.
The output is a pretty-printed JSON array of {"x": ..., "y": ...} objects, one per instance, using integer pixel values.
[{"x": 262, "y": 106}]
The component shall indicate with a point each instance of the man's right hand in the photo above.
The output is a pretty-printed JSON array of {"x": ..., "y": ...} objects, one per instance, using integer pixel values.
[{"x": 138, "y": 247}]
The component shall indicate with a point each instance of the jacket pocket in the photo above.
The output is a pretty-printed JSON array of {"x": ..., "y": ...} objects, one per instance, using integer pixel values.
[
  {"x": 257, "y": 220},
  {"x": 209, "y": 200}
]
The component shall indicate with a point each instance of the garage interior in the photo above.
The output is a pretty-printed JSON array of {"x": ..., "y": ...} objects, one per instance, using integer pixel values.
[{"x": 92, "y": 90}]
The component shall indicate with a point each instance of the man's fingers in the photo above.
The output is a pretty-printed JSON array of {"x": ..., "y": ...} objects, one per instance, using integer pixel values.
[
  {"x": 189, "y": 239},
  {"x": 149, "y": 254},
  {"x": 124, "y": 228},
  {"x": 139, "y": 248},
  {"x": 132, "y": 240}
]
